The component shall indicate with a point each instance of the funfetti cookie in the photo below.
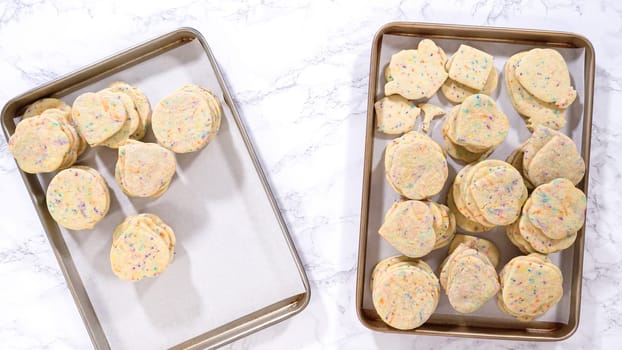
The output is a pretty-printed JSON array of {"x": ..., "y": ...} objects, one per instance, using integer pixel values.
[
  {"x": 530, "y": 286},
  {"x": 183, "y": 122},
  {"x": 96, "y": 118},
  {"x": 417, "y": 74},
  {"x": 557, "y": 208},
  {"x": 471, "y": 282},
  {"x": 415, "y": 166},
  {"x": 142, "y": 247},
  {"x": 471, "y": 67},
  {"x": 430, "y": 111},
  {"x": 456, "y": 92},
  {"x": 132, "y": 123},
  {"x": 78, "y": 198},
  {"x": 141, "y": 102},
  {"x": 40, "y": 144},
  {"x": 459, "y": 152},
  {"x": 482, "y": 245},
  {"x": 408, "y": 227},
  {"x": 544, "y": 73},
  {"x": 537, "y": 240},
  {"x": 535, "y": 111},
  {"x": 405, "y": 294},
  {"x": 395, "y": 115},
  {"x": 480, "y": 124},
  {"x": 144, "y": 169}
]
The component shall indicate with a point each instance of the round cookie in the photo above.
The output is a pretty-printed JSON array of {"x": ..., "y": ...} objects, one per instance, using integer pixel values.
[
  {"x": 39, "y": 106},
  {"x": 78, "y": 198},
  {"x": 530, "y": 286},
  {"x": 40, "y": 145},
  {"x": 183, "y": 122},
  {"x": 415, "y": 166},
  {"x": 141, "y": 248},
  {"x": 417, "y": 74},
  {"x": 483, "y": 246},
  {"x": 97, "y": 119},
  {"x": 408, "y": 227},
  {"x": 544, "y": 73},
  {"x": 405, "y": 297},
  {"x": 395, "y": 115},
  {"x": 557, "y": 209},
  {"x": 536, "y": 111},
  {"x": 144, "y": 169}
]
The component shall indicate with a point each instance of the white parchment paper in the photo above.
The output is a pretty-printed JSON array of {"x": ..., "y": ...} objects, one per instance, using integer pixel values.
[
  {"x": 230, "y": 258},
  {"x": 382, "y": 195}
]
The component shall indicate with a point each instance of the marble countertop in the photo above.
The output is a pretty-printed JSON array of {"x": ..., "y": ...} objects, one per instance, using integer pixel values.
[{"x": 299, "y": 73}]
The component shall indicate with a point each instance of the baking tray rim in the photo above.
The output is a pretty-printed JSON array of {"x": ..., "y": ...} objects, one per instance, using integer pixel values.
[
  {"x": 473, "y": 33},
  {"x": 231, "y": 331}
]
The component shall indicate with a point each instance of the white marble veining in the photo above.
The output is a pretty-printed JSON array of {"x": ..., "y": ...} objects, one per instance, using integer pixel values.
[{"x": 298, "y": 71}]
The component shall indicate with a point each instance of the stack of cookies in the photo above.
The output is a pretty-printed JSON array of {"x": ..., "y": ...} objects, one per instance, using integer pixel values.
[
  {"x": 548, "y": 155},
  {"x": 471, "y": 71},
  {"x": 111, "y": 116},
  {"x": 482, "y": 245},
  {"x": 187, "y": 120},
  {"x": 78, "y": 198},
  {"x": 142, "y": 246},
  {"x": 416, "y": 166},
  {"x": 469, "y": 278},
  {"x": 474, "y": 129},
  {"x": 550, "y": 218},
  {"x": 46, "y": 142},
  {"x": 539, "y": 87},
  {"x": 144, "y": 169},
  {"x": 486, "y": 194},
  {"x": 530, "y": 286},
  {"x": 415, "y": 228},
  {"x": 405, "y": 292}
]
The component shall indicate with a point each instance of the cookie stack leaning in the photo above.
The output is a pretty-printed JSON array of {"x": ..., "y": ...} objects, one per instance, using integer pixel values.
[
  {"x": 144, "y": 169},
  {"x": 187, "y": 120},
  {"x": 550, "y": 218},
  {"x": 142, "y": 246},
  {"x": 471, "y": 71},
  {"x": 469, "y": 279},
  {"x": 78, "y": 198},
  {"x": 46, "y": 142},
  {"x": 530, "y": 286},
  {"x": 474, "y": 129},
  {"x": 482, "y": 245},
  {"x": 415, "y": 165},
  {"x": 547, "y": 155},
  {"x": 486, "y": 194},
  {"x": 405, "y": 292},
  {"x": 539, "y": 87},
  {"x": 110, "y": 117},
  {"x": 415, "y": 228}
]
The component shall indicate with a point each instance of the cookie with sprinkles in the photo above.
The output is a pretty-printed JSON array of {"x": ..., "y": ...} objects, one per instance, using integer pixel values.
[
  {"x": 458, "y": 152},
  {"x": 479, "y": 125},
  {"x": 144, "y": 169},
  {"x": 141, "y": 103},
  {"x": 471, "y": 282},
  {"x": 417, "y": 74},
  {"x": 142, "y": 247},
  {"x": 530, "y": 286},
  {"x": 544, "y": 73},
  {"x": 535, "y": 111},
  {"x": 409, "y": 227},
  {"x": 184, "y": 122},
  {"x": 416, "y": 166},
  {"x": 482, "y": 245},
  {"x": 471, "y": 67},
  {"x": 77, "y": 198},
  {"x": 405, "y": 294},
  {"x": 39, "y": 106},
  {"x": 97, "y": 118},
  {"x": 395, "y": 115}
]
